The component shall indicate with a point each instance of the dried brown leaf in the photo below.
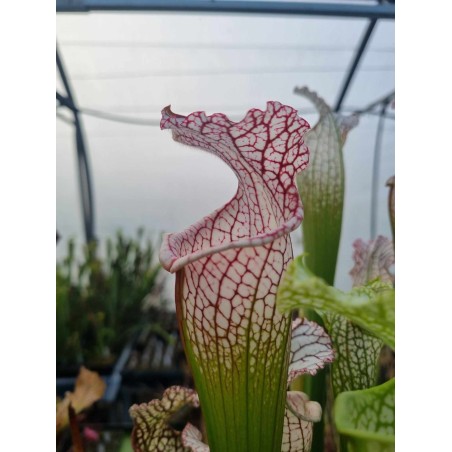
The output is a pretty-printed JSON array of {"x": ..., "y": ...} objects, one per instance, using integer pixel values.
[{"x": 89, "y": 388}]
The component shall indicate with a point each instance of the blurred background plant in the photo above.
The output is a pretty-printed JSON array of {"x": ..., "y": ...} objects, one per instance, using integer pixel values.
[{"x": 102, "y": 301}]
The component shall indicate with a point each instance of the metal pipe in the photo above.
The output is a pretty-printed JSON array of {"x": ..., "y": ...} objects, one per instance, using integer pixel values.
[
  {"x": 355, "y": 63},
  {"x": 381, "y": 101},
  {"x": 376, "y": 172},
  {"x": 357, "y": 10},
  {"x": 85, "y": 184}
]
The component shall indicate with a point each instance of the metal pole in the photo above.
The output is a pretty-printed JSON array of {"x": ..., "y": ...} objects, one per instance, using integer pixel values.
[
  {"x": 376, "y": 172},
  {"x": 381, "y": 101},
  {"x": 355, "y": 63},
  {"x": 82, "y": 156},
  {"x": 358, "y": 10}
]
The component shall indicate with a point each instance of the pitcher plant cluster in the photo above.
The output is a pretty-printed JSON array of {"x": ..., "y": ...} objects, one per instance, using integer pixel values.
[{"x": 266, "y": 335}]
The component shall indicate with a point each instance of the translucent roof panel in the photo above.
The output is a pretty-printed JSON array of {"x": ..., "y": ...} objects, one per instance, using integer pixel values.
[
  {"x": 202, "y": 61},
  {"x": 134, "y": 64},
  {"x": 369, "y": 85}
]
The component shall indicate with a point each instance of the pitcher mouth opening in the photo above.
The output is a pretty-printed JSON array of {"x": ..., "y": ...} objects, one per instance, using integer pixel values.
[
  {"x": 265, "y": 150},
  {"x": 172, "y": 262}
]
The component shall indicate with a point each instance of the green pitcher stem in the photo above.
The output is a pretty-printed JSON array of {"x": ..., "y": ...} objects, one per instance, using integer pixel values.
[
  {"x": 245, "y": 414},
  {"x": 243, "y": 406},
  {"x": 315, "y": 387},
  {"x": 343, "y": 444}
]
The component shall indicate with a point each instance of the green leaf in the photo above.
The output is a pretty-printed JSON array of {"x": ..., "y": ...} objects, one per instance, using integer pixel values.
[
  {"x": 371, "y": 307},
  {"x": 366, "y": 419},
  {"x": 126, "y": 444},
  {"x": 357, "y": 351}
]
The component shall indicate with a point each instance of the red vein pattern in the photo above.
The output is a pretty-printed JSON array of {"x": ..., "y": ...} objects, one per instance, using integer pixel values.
[
  {"x": 356, "y": 365},
  {"x": 152, "y": 431},
  {"x": 298, "y": 427},
  {"x": 310, "y": 349},
  {"x": 229, "y": 265},
  {"x": 192, "y": 439},
  {"x": 373, "y": 259},
  {"x": 265, "y": 150}
]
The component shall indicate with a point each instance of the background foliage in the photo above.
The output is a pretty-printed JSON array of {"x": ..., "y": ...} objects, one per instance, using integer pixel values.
[{"x": 102, "y": 301}]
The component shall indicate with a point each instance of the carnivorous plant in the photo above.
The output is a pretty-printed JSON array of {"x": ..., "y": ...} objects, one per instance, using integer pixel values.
[{"x": 228, "y": 267}]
